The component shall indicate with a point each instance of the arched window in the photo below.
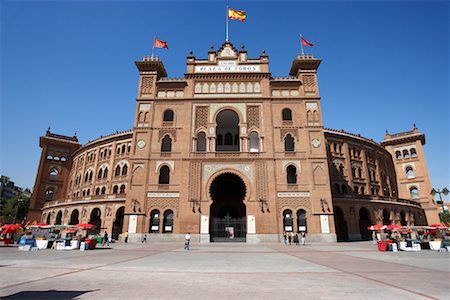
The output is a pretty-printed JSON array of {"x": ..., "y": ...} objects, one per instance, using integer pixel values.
[
  {"x": 405, "y": 153},
  {"x": 354, "y": 172},
  {"x": 88, "y": 192},
  {"x": 166, "y": 145},
  {"x": 288, "y": 220},
  {"x": 409, "y": 172},
  {"x": 58, "y": 218},
  {"x": 86, "y": 177},
  {"x": 164, "y": 175},
  {"x": 413, "y": 152},
  {"x": 125, "y": 170},
  {"x": 103, "y": 190},
  {"x": 254, "y": 142},
  {"x": 154, "y": 221},
  {"x": 359, "y": 173},
  {"x": 122, "y": 189},
  {"x": 398, "y": 155},
  {"x": 100, "y": 174},
  {"x": 168, "y": 221},
  {"x": 97, "y": 191},
  {"x": 291, "y": 174},
  {"x": 289, "y": 143},
  {"x": 362, "y": 190},
  {"x": 84, "y": 193},
  {"x": 105, "y": 173},
  {"x": 90, "y": 175},
  {"x": 228, "y": 127},
  {"x": 168, "y": 116},
  {"x": 286, "y": 114},
  {"x": 117, "y": 172},
  {"x": 53, "y": 174},
  {"x": 115, "y": 189},
  {"x": 344, "y": 189},
  {"x": 301, "y": 219},
  {"x": 49, "y": 193},
  {"x": 201, "y": 142},
  {"x": 341, "y": 170},
  {"x": 413, "y": 192}
]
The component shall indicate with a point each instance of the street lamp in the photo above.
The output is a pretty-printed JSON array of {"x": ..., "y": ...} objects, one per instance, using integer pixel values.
[{"x": 441, "y": 202}]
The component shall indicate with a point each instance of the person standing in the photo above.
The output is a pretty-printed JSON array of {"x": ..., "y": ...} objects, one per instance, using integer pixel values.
[
  {"x": 187, "y": 241},
  {"x": 144, "y": 239},
  {"x": 303, "y": 238},
  {"x": 105, "y": 238},
  {"x": 296, "y": 241},
  {"x": 126, "y": 236}
]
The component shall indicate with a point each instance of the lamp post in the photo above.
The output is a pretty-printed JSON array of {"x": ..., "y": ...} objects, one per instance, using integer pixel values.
[{"x": 444, "y": 191}]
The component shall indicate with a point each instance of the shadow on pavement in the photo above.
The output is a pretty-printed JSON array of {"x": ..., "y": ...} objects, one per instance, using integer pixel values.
[{"x": 51, "y": 294}]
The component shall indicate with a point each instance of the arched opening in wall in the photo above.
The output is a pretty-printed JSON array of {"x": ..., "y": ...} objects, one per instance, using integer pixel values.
[
  {"x": 398, "y": 155},
  {"x": 405, "y": 153},
  {"x": 413, "y": 152},
  {"x": 58, "y": 220},
  {"x": 254, "y": 142},
  {"x": 164, "y": 175},
  {"x": 286, "y": 114},
  {"x": 166, "y": 144},
  {"x": 403, "y": 218},
  {"x": 341, "y": 224},
  {"x": 53, "y": 174},
  {"x": 48, "y": 219},
  {"x": 291, "y": 174},
  {"x": 228, "y": 126},
  {"x": 168, "y": 221},
  {"x": 413, "y": 192},
  {"x": 386, "y": 217},
  {"x": 168, "y": 116},
  {"x": 118, "y": 223},
  {"x": 288, "y": 221},
  {"x": 289, "y": 144},
  {"x": 96, "y": 220},
  {"x": 122, "y": 189},
  {"x": 125, "y": 170},
  {"x": 364, "y": 223},
  {"x": 201, "y": 142},
  {"x": 154, "y": 221},
  {"x": 301, "y": 220},
  {"x": 228, "y": 211},
  {"x": 74, "y": 217},
  {"x": 49, "y": 193},
  {"x": 409, "y": 172}
]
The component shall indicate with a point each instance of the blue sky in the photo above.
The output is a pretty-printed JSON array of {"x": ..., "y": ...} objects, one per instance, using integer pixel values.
[{"x": 70, "y": 65}]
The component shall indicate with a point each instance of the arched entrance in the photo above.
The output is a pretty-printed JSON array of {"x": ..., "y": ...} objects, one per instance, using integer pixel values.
[
  {"x": 341, "y": 224},
  {"x": 74, "y": 217},
  {"x": 227, "y": 212},
  {"x": 118, "y": 223},
  {"x": 96, "y": 220},
  {"x": 364, "y": 222}
]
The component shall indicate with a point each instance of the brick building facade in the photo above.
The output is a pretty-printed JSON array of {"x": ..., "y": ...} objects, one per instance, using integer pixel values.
[{"x": 230, "y": 153}]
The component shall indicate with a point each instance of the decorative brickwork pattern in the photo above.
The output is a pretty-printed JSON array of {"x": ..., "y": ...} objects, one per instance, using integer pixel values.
[
  {"x": 253, "y": 116},
  {"x": 309, "y": 83},
  {"x": 285, "y": 131},
  {"x": 163, "y": 204},
  {"x": 201, "y": 116},
  {"x": 195, "y": 180},
  {"x": 147, "y": 85},
  {"x": 261, "y": 180}
]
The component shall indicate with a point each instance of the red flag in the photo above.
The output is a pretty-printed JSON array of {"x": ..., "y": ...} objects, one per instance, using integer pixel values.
[
  {"x": 307, "y": 43},
  {"x": 160, "y": 44}
]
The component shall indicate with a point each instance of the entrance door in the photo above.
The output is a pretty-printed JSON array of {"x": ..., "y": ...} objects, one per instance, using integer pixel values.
[{"x": 228, "y": 214}]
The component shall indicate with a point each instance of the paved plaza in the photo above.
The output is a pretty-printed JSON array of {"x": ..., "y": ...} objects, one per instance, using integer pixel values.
[{"x": 225, "y": 271}]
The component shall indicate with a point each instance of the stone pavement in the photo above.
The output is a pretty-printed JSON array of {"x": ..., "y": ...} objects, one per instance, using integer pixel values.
[{"x": 225, "y": 271}]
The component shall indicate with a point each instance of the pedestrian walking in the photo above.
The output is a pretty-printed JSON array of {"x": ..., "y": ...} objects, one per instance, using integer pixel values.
[
  {"x": 303, "y": 238},
  {"x": 296, "y": 241},
  {"x": 126, "y": 236},
  {"x": 105, "y": 239},
  {"x": 187, "y": 241},
  {"x": 286, "y": 242},
  {"x": 144, "y": 239},
  {"x": 289, "y": 238}
]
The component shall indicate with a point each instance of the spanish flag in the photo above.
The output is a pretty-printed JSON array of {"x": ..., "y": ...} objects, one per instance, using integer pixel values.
[{"x": 239, "y": 15}]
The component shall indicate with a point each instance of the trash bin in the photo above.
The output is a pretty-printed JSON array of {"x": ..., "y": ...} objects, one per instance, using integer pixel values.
[
  {"x": 99, "y": 240},
  {"x": 382, "y": 245}
]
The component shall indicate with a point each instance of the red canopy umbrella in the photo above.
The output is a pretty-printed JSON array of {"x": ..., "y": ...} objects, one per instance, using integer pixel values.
[
  {"x": 7, "y": 228},
  {"x": 85, "y": 226},
  {"x": 40, "y": 225},
  {"x": 437, "y": 226},
  {"x": 393, "y": 226},
  {"x": 377, "y": 227}
]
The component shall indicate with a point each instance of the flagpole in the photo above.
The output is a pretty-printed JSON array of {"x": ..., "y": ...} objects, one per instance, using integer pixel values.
[
  {"x": 226, "y": 25},
  {"x": 301, "y": 45},
  {"x": 153, "y": 48}
]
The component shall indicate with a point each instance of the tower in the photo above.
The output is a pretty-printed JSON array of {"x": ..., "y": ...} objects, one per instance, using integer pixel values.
[
  {"x": 53, "y": 171},
  {"x": 413, "y": 181}
]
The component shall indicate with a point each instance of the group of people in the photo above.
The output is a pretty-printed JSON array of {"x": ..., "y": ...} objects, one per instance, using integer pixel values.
[{"x": 292, "y": 238}]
